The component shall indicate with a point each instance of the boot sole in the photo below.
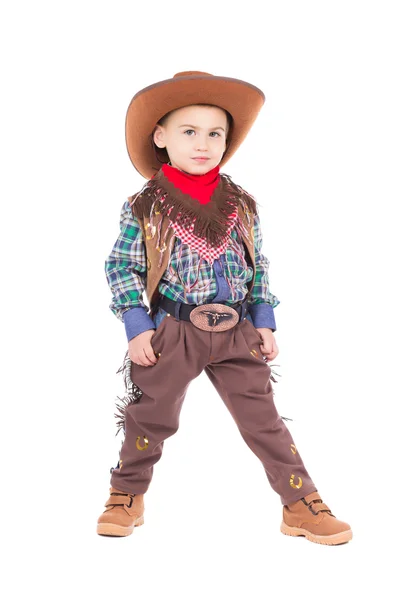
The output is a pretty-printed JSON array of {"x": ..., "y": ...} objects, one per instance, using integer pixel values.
[
  {"x": 118, "y": 530},
  {"x": 329, "y": 540}
]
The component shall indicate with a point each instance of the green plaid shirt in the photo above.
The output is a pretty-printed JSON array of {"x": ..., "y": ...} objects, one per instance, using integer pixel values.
[{"x": 126, "y": 274}]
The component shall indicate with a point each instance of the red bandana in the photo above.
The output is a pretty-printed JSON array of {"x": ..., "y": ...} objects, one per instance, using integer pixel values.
[{"x": 199, "y": 187}]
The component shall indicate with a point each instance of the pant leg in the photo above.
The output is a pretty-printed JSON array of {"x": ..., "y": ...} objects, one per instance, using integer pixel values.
[
  {"x": 242, "y": 379},
  {"x": 155, "y": 417}
]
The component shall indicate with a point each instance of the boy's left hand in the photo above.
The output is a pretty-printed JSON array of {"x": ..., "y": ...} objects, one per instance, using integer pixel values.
[{"x": 269, "y": 347}]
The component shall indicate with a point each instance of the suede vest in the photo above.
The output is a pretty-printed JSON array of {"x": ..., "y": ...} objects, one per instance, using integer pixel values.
[{"x": 153, "y": 253}]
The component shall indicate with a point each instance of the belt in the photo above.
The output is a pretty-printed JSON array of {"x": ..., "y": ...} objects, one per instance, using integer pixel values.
[{"x": 208, "y": 317}]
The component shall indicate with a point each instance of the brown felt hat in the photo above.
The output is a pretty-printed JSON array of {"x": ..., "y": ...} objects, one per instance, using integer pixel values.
[{"x": 241, "y": 99}]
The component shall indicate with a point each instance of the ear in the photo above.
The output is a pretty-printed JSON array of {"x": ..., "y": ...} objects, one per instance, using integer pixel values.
[{"x": 158, "y": 136}]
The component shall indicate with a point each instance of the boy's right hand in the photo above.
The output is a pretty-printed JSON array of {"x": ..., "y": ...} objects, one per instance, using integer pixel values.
[{"x": 140, "y": 349}]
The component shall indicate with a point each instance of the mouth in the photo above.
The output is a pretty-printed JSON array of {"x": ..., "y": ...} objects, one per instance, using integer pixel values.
[{"x": 201, "y": 158}]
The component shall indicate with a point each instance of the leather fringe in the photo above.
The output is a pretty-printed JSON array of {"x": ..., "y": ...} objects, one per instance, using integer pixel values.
[
  {"x": 207, "y": 221},
  {"x": 132, "y": 393},
  {"x": 273, "y": 391}
]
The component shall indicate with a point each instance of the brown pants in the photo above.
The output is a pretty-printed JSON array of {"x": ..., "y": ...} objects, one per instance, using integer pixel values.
[{"x": 233, "y": 362}]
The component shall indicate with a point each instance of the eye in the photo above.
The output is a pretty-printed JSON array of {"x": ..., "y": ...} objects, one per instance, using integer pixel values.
[
  {"x": 216, "y": 133},
  {"x": 188, "y": 130}
]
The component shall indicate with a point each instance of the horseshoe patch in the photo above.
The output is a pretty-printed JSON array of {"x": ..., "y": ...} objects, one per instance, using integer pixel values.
[
  {"x": 146, "y": 443},
  {"x": 294, "y": 485}
]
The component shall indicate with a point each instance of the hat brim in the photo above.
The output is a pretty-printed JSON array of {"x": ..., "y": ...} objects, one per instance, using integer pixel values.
[{"x": 241, "y": 99}]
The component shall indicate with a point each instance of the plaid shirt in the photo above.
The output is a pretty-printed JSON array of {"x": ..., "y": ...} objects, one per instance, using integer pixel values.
[{"x": 225, "y": 280}]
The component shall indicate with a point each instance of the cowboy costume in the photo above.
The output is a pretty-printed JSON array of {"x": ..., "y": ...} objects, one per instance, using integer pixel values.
[{"x": 193, "y": 244}]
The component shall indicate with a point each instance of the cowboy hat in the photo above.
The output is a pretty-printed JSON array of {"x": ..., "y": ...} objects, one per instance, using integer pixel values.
[{"x": 242, "y": 100}]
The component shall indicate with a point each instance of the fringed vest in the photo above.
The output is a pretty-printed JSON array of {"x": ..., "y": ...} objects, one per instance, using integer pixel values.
[{"x": 160, "y": 203}]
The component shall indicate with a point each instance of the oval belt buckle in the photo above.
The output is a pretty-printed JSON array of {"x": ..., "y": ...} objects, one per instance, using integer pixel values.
[{"x": 214, "y": 317}]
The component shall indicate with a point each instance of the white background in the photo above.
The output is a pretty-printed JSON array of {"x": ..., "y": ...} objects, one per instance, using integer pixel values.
[{"x": 323, "y": 162}]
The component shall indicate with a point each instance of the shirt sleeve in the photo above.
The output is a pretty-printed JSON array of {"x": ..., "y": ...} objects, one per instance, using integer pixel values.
[
  {"x": 126, "y": 273},
  {"x": 262, "y": 301}
]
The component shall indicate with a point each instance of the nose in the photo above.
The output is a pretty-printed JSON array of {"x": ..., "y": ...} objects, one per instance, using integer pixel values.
[{"x": 202, "y": 142}]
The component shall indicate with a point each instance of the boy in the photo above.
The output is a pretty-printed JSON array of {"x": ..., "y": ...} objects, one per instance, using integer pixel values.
[{"x": 191, "y": 238}]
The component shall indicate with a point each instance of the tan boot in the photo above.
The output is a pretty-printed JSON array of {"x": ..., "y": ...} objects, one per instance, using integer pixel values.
[
  {"x": 312, "y": 518},
  {"x": 123, "y": 513}
]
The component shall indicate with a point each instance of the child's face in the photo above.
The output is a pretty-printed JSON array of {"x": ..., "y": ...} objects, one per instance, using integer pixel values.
[{"x": 194, "y": 131}]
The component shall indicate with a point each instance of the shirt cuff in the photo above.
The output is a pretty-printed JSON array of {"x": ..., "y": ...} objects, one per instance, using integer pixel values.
[
  {"x": 137, "y": 320},
  {"x": 262, "y": 315}
]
